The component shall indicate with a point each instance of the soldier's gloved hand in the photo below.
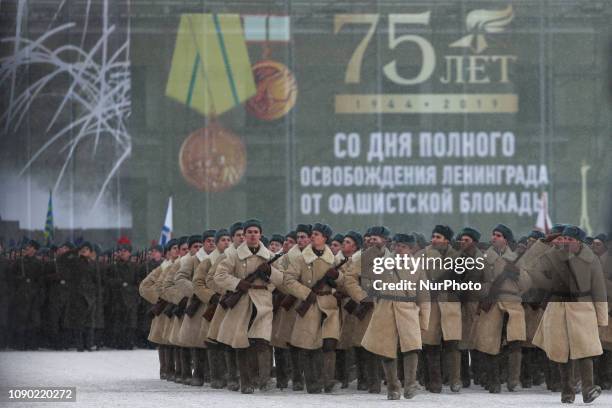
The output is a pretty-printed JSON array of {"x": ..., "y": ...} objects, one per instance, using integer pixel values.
[
  {"x": 306, "y": 304},
  {"x": 214, "y": 299},
  {"x": 169, "y": 309},
  {"x": 265, "y": 269},
  {"x": 332, "y": 273},
  {"x": 179, "y": 311},
  {"x": 193, "y": 306},
  {"x": 364, "y": 307},
  {"x": 243, "y": 286},
  {"x": 513, "y": 271},
  {"x": 158, "y": 308}
]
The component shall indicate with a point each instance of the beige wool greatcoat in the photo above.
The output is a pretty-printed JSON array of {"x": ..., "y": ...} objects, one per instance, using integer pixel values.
[
  {"x": 400, "y": 315},
  {"x": 445, "y": 315},
  {"x": 508, "y": 301},
  {"x": 238, "y": 325},
  {"x": 322, "y": 321},
  {"x": 569, "y": 329},
  {"x": 189, "y": 333}
]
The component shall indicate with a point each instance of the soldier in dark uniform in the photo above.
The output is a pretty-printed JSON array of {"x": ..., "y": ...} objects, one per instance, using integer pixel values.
[
  {"x": 27, "y": 286},
  {"x": 99, "y": 267},
  {"x": 144, "y": 317},
  {"x": 123, "y": 286},
  {"x": 5, "y": 293},
  {"x": 80, "y": 306},
  {"x": 57, "y": 270}
]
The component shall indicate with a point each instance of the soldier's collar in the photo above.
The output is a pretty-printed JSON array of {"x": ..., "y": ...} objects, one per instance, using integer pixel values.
[
  {"x": 310, "y": 256},
  {"x": 244, "y": 252}
]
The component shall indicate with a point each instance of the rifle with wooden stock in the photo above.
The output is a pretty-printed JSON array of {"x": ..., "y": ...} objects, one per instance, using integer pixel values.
[
  {"x": 509, "y": 272},
  {"x": 303, "y": 307},
  {"x": 230, "y": 299}
]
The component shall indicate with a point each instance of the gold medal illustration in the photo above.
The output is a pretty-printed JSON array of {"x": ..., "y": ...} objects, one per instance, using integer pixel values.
[
  {"x": 212, "y": 158},
  {"x": 276, "y": 91}
]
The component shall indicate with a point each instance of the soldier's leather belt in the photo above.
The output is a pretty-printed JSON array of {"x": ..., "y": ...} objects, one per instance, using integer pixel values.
[
  {"x": 568, "y": 296},
  {"x": 322, "y": 292},
  {"x": 259, "y": 287}
]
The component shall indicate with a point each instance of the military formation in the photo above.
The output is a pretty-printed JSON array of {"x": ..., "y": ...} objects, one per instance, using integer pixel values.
[
  {"x": 74, "y": 296},
  {"x": 233, "y": 309}
]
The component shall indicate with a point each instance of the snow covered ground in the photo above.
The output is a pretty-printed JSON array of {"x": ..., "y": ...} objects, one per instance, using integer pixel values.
[{"x": 130, "y": 379}]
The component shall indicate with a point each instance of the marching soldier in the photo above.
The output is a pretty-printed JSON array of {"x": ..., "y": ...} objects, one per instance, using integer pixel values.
[
  {"x": 123, "y": 286},
  {"x": 5, "y": 300},
  {"x": 144, "y": 317},
  {"x": 533, "y": 359},
  {"x": 400, "y": 316},
  {"x": 284, "y": 318},
  {"x": 190, "y": 323},
  {"x": 604, "y": 363},
  {"x": 572, "y": 275},
  {"x": 58, "y": 294},
  {"x": 468, "y": 244},
  {"x": 351, "y": 250},
  {"x": 445, "y": 317},
  {"x": 503, "y": 286},
  {"x": 367, "y": 362},
  {"x": 309, "y": 279},
  {"x": 247, "y": 326},
  {"x": 198, "y": 312},
  {"x": 178, "y": 292},
  {"x": 28, "y": 295},
  {"x": 214, "y": 347},
  {"x": 151, "y": 289},
  {"x": 82, "y": 296}
]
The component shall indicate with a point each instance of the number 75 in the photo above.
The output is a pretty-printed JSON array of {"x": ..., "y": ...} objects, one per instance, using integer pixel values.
[{"x": 353, "y": 69}]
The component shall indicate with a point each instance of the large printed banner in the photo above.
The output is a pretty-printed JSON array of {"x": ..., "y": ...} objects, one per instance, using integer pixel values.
[{"x": 426, "y": 115}]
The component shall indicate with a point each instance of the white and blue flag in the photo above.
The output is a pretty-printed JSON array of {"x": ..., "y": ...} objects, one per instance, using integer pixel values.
[{"x": 166, "y": 232}]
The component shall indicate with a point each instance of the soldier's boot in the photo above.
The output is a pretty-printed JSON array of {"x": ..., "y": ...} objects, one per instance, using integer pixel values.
[
  {"x": 244, "y": 367},
  {"x": 341, "y": 372},
  {"x": 216, "y": 361},
  {"x": 360, "y": 363},
  {"x": 567, "y": 389},
  {"x": 515, "y": 357},
  {"x": 197, "y": 378},
  {"x": 527, "y": 367},
  {"x": 539, "y": 363},
  {"x": 453, "y": 364},
  {"x": 264, "y": 364},
  {"x": 576, "y": 380},
  {"x": 178, "y": 364},
  {"x": 493, "y": 377},
  {"x": 410, "y": 362},
  {"x": 297, "y": 370},
  {"x": 231, "y": 362},
  {"x": 465, "y": 369},
  {"x": 313, "y": 362},
  {"x": 607, "y": 370},
  {"x": 590, "y": 391},
  {"x": 281, "y": 364},
  {"x": 329, "y": 369},
  {"x": 434, "y": 369},
  {"x": 169, "y": 357},
  {"x": 163, "y": 369},
  {"x": 186, "y": 373},
  {"x": 553, "y": 380},
  {"x": 421, "y": 371},
  {"x": 373, "y": 372},
  {"x": 203, "y": 355},
  {"x": 394, "y": 387}
]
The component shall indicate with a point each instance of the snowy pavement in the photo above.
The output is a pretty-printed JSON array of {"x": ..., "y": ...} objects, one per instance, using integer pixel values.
[{"x": 130, "y": 379}]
